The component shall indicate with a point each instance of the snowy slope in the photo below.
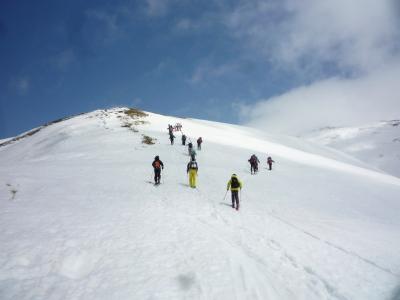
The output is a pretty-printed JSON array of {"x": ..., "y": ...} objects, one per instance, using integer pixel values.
[
  {"x": 377, "y": 144},
  {"x": 80, "y": 218}
]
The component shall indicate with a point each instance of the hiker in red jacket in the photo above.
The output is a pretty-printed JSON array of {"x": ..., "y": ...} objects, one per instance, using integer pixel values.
[{"x": 269, "y": 162}]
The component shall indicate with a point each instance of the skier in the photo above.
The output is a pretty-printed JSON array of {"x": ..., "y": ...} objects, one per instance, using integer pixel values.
[
  {"x": 235, "y": 185},
  {"x": 190, "y": 147},
  {"x": 253, "y": 164},
  {"x": 171, "y": 138},
  {"x": 157, "y": 165},
  {"x": 183, "y": 140},
  {"x": 192, "y": 169},
  {"x": 269, "y": 162},
  {"x": 199, "y": 141}
]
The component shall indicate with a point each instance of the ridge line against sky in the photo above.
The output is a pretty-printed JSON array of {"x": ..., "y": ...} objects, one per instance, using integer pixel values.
[{"x": 254, "y": 62}]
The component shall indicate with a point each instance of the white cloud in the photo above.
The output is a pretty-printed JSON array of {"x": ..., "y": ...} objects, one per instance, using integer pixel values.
[
  {"x": 331, "y": 102},
  {"x": 347, "y": 51},
  {"x": 357, "y": 35}
]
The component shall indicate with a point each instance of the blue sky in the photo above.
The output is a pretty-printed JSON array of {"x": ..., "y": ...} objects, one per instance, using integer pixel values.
[{"x": 206, "y": 59}]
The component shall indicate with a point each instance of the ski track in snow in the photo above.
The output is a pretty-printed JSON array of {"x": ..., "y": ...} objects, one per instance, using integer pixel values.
[{"x": 85, "y": 223}]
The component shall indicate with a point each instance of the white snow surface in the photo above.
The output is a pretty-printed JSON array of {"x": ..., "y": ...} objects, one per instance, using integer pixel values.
[
  {"x": 81, "y": 219},
  {"x": 377, "y": 144}
]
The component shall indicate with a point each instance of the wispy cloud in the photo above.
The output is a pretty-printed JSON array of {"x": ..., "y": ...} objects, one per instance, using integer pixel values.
[
  {"x": 186, "y": 25},
  {"x": 157, "y": 7},
  {"x": 105, "y": 25},
  {"x": 98, "y": 27},
  {"x": 136, "y": 102},
  {"x": 21, "y": 85},
  {"x": 63, "y": 60},
  {"x": 205, "y": 71}
]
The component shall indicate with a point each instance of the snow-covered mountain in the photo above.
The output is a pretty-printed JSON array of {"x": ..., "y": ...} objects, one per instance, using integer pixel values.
[
  {"x": 81, "y": 219},
  {"x": 377, "y": 144}
]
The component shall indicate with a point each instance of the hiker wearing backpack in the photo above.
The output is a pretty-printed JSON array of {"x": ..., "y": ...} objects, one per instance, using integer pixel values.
[
  {"x": 190, "y": 147},
  {"x": 193, "y": 154},
  {"x": 235, "y": 185},
  {"x": 183, "y": 140},
  {"x": 199, "y": 141},
  {"x": 192, "y": 169},
  {"x": 157, "y": 165},
  {"x": 171, "y": 138},
  {"x": 269, "y": 162},
  {"x": 253, "y": 164}
]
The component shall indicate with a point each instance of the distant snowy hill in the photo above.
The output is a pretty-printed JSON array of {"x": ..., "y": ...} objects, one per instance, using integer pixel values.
[
  {"x": 81, "y": 219},
  {"x": 376, "y": 144}
]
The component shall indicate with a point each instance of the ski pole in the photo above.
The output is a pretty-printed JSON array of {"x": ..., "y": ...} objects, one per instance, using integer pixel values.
[{"x": 225, "y": 195}]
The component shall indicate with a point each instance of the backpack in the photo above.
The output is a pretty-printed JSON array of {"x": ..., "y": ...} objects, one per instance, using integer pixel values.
[
  {"x": 235, "y": 183},
  {"x": 157, "y": 164},
  {"x": 193, "y": 165}
]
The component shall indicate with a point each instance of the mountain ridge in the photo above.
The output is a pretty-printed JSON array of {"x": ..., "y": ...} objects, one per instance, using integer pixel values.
[{"x": 81, "y": 218}]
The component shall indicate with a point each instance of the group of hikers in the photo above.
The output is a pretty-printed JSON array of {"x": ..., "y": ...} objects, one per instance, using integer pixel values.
[
  {"x": 234, "y": 184},
  {"x": 254, "y": 163}
]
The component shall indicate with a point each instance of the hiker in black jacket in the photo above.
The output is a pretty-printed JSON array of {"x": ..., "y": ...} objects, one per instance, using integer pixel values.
[
  {"x": 192, "y": 169},
  {"x": 190, "y": 147},
  {"x": 157, "y": 165},
  {"x": 253, "y": 164},
  {"x": 171, "y": 138}
]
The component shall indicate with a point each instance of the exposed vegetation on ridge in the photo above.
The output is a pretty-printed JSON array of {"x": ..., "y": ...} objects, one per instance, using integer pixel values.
[
  {"x": 148, "y": 140},
  {"x": 135, "y": 113}
]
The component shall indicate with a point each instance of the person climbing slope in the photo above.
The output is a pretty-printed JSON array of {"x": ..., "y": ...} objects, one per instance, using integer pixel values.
[
  {"x": 190, "y": 147},
  {"x": 253, "y": 164},
  {"x": 199, "y": 141},
  {"x": 157, "y": 165},
  {"x": 183, "y": 140},
  {"x": 269, "y": 162},
  {"x": 192, "y": 169},
  {"x": 235, "y": 185},
  {"x": 193, "y": 154},
  {"x": 171, "y": 138},
  {"x": 170, "y": 129}
]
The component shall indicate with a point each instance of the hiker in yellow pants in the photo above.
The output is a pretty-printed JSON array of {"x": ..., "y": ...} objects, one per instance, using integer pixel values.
[{"x": 192, "y": 170}]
